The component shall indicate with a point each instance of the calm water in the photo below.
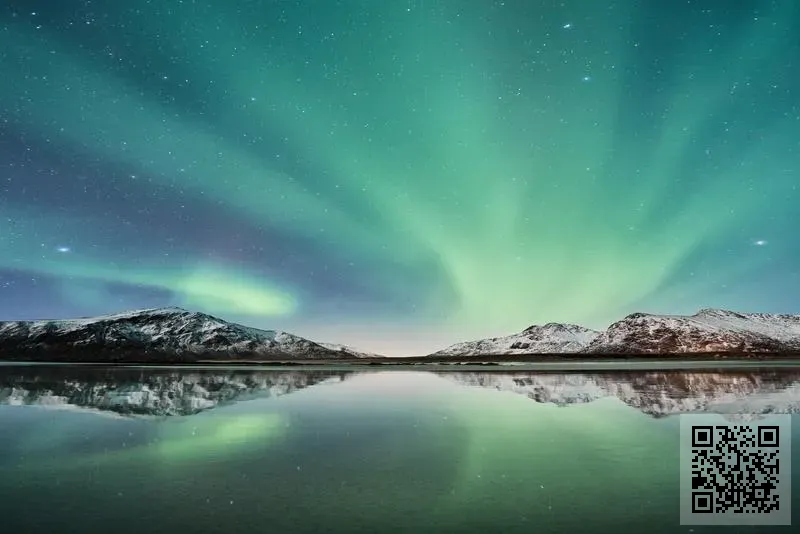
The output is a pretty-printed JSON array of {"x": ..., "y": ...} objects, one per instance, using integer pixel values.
[{"x": 232, "y": 451}]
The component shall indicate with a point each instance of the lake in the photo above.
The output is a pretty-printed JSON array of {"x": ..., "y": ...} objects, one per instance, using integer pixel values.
[{"x": 337, "y": 450}]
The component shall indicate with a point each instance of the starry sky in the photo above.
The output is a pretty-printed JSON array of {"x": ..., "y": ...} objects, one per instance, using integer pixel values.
[{"x": 399, "y": 175}]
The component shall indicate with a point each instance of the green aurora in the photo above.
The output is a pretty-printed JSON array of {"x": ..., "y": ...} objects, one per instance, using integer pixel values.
[{"x": 399, "y": 167}]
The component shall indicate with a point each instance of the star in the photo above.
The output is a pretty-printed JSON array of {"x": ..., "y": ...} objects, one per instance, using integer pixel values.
[{"x": 275, "y": 186}]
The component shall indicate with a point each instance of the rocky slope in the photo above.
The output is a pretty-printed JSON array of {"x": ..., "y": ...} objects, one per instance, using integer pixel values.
[
  {"x": 349, "y": 352},
  {"x": 162, "y": 334},
  {"x": 544, "y": 339},
  {"x": 166, "y": 335},
  {"x": 707, "y": 331}
]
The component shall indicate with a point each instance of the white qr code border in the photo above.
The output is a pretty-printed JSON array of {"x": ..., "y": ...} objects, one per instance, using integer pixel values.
[{"x": 770, "y": 451}]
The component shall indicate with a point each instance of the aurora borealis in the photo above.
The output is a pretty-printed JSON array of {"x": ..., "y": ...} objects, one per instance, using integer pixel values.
[{"x": 399, "y": 175}]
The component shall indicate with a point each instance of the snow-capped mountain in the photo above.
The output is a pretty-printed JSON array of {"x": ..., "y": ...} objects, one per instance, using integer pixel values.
[
  {"x": 654, "y": 393},
  {"x": 348, "y": 351},
  {"x": 154, "y": 393},
  {"x": 536, "y": 339},
  {"x": 708, "y": 330},
  {"x": 160, "y": 334}
]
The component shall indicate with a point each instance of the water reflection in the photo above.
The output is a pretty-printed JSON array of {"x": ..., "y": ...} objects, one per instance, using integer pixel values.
[
  {"x": 159, "y": 392},
  {"x": 759, "y": 391},
  {"x": 298, "y": 451},
  {"x": 148, "y": 391}
]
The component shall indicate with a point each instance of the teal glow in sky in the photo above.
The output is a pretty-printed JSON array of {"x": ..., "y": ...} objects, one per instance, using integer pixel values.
[{"x": 399, "y": 175}]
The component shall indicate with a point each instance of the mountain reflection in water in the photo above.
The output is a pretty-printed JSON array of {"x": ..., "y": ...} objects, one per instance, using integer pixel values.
[
  {"x": 305, "y": 451},
  {"x": 170, "y": 392}
]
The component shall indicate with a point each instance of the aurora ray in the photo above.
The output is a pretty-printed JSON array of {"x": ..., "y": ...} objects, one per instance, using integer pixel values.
[{"x": 394, "y": 167}]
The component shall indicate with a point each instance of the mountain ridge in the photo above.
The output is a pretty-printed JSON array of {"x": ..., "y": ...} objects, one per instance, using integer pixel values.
[
  {"x": 537, "y": 339},
  {"x": 176, "y": 335},
  {"x": 152, "y": 334},
  {"x": 709, "y": 330}
]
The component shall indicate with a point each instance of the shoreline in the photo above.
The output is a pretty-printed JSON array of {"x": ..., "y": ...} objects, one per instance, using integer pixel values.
[{"x": 514, "y": 363}]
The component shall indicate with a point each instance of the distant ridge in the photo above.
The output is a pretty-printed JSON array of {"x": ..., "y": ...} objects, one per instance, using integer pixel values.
[
  {"x": 707, "y": 331},
  {"x": 175, "y": 335},
  {"x": 157, "y": 335},
  {"x": 349, "y": 351},
  {"x": 550, "y": 338}
]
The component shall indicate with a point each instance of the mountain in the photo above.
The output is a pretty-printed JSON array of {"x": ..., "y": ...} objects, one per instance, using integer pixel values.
[
  {"x": 708, "y": 330},
  {"x": 160, "y": 334},
  {"x": 164, "y": 335},
  {"x": 544, "y": 339},
  {"x": 350, "y": 352}
]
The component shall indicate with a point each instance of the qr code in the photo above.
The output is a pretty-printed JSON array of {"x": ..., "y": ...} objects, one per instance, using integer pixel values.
[{"x": 735, "y": 472}]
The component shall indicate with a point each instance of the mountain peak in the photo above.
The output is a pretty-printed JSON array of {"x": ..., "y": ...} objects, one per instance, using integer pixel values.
[
  {"x": 536, "y": 339},
  {"x": 130, "y": 314},
  {"x": 637, "y": 315},
  {"x": 157, "y": 311},
  {"x": 555, "y": 327},
  {"x": 158, "y": 334},
  {"x": 715, "y": 311},
  {"x": 167, "y": 309},
  {"x": 710, "y": 330},
  {"x": 728, "y": 314}
]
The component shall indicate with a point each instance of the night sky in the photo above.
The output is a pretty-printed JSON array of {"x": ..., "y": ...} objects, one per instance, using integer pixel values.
[{"x": 399, "y": 175}]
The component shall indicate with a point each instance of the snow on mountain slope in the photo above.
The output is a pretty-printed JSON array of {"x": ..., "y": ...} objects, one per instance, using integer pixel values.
[
  {"x": 174, "y": 334},
  {"x": 784, "y": 328},
  {"x": 709, "y": 330},
  {"x": 148, "y": 335},
  {"x": 548, "y": 338},
  {"x": 349, "y": 351}
]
